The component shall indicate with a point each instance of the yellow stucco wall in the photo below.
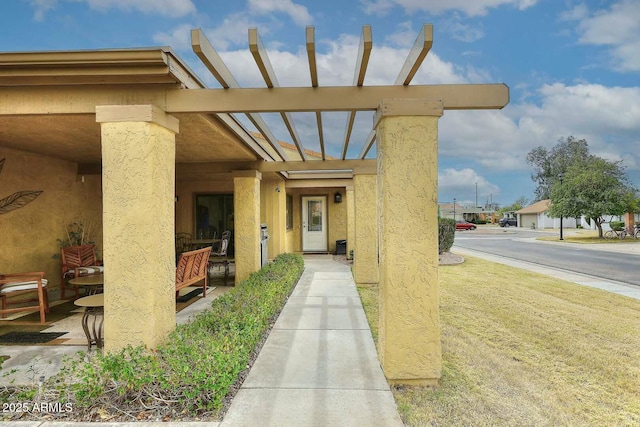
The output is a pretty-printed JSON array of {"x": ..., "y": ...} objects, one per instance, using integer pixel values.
[
  {"x": 409, "y": 334},
  {"x": 351, "y": 221},
  {"x": 273, "y": 213},
  {"x": 336, "y": 221},
  {"x": 365, "y": 262},
  {"x": 29, "y": 234},
  {"x": 290, "y": 241},
  {"x": 138, "y": 161},
  {"x": 246, "y": 201}
]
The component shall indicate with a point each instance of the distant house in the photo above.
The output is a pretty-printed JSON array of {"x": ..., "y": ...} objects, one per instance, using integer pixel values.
[
  {"x": 450, "y": 210},
  {"x": 466, "y": 213},
  {"x": 535, "y": 216}
]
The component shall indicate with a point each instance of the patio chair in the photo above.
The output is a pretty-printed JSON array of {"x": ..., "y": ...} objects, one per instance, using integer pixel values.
[
  {"x": 219, "y": 257},
  {"x": 13, "y": 285},
  {"x": 183, "y": 243},
  {"x": 78, "y": 261}
]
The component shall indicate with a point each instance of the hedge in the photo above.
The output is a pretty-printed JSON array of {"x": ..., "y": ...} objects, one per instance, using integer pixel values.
[
  {"x": 192, "y": 373},
  {"x": 446, "y": 234}
]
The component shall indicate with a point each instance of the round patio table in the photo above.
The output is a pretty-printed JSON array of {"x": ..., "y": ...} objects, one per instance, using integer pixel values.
[
  {"x": 94, "y": 309},
  {"x": 92, "y": 283}
]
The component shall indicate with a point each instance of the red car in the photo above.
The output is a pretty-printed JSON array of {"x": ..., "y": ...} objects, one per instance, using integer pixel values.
[{"x": 464, "y": 225}]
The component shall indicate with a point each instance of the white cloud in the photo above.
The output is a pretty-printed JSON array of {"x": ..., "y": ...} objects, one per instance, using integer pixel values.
[
  {"x": 617, "y": 27},
  {"x": 461, "y": 31},
  {"x": 404, "y": 36},
  {"x": 179, "y": 38},
  {"x": 232, "y": 32},
  {"x": 463, "y": 182},
  {"x": 470, "y": 8},
  {"x": 41, "y": 8},
  {"x": 171, "y": 8},
  {"x": 607, "y": 117},
  {"x": 299, "y": 14},
  {"x": 578, "y": 12}
]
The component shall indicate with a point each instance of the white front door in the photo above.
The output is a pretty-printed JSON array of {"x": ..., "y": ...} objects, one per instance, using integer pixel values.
[{"x": 314, "y": 224}]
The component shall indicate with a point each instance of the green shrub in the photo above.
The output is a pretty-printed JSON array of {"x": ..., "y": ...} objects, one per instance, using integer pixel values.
[
  {"x": 200, "y": 362},
  {"x": 446, "y": 234},
  {"x": 617, "y": 225}
]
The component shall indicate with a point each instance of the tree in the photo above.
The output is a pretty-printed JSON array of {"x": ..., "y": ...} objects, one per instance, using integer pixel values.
[
  {"x": 549, "y": 164},
  {"x": 520, "y": 203},
  {"x": 593, "y": 187}
]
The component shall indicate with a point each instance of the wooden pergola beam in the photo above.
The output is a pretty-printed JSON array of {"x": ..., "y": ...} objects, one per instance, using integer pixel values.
[
  {"x": 238, "y": 128},
  {"x": 214, "y": 63},
  {"x": 327, "y": 165},
  {"x": 55, "y": 100},
  {"x": 321, "y": 175},
  {"x": 261, "y": 166},
  {"x": 371, "y": 138},
  {"x": 311, "y": 54},
  {"x": 364, "y": 53},
  {"x": 416, "y": 55},
  {"x": 336, "y": 98},
  {"x": 313, "y": 72},
  {"x": 268, "y": 74}
]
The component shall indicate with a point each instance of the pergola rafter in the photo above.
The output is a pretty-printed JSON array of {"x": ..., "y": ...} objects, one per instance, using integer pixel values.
[
  {"x": 214, "y": 63},
  {"x": 416, "y": 56},
  {"x": 311, "y": 55},
  {"x": 364, "y": 52},
  {"x": 264, "y": 65},
  {"x": 368, "y": 143}
]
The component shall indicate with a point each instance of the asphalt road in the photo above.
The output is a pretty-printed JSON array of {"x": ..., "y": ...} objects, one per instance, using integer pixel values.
[{"x": 521, "y": 245}]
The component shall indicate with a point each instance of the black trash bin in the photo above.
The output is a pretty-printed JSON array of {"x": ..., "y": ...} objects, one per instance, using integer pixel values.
[{"x": 341, "y": 247}]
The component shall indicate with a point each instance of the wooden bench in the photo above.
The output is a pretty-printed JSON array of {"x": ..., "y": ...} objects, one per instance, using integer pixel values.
[{"x": 192, "y": 268}]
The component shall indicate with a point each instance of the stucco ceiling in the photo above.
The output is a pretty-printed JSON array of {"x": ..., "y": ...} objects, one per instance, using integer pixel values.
[
  {"x": 76, "y": 138},
  {"x": 135, "y": 75}
]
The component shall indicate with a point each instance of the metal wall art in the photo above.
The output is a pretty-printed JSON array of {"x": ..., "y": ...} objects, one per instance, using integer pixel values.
[{"x": 16, "y": 200}]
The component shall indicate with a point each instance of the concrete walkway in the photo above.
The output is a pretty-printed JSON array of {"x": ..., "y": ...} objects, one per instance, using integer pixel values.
[{"x": 319, "y": 366}]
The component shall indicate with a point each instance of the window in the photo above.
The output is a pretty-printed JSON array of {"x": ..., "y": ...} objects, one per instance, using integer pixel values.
[
  {"x": 213, "y": 215},
  {"x": 289, "y": 212},
  {"x": 314, "y": 212}
]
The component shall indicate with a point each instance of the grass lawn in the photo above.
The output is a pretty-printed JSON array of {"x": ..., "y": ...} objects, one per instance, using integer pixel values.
[
  {"x": 588, "y": 236},
  {"x": 523, "y": 349}
]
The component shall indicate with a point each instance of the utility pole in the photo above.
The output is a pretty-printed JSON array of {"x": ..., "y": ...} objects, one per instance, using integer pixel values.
[{"x": 476, "y": 196}]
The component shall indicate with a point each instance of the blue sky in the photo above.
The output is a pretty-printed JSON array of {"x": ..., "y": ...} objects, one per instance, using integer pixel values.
[{"x": 573, "y": 67}]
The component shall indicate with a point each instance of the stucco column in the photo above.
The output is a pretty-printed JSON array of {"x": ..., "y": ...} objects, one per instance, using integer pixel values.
[
  {"x": 409, "y": 333},
  {"x": 138, "y": 182},
  {"x": 365, "y": 262},
  {"x": 273, "y": 212},
  {"x": 246, "y": 205},
  {"x": 351, "y": 219}
]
